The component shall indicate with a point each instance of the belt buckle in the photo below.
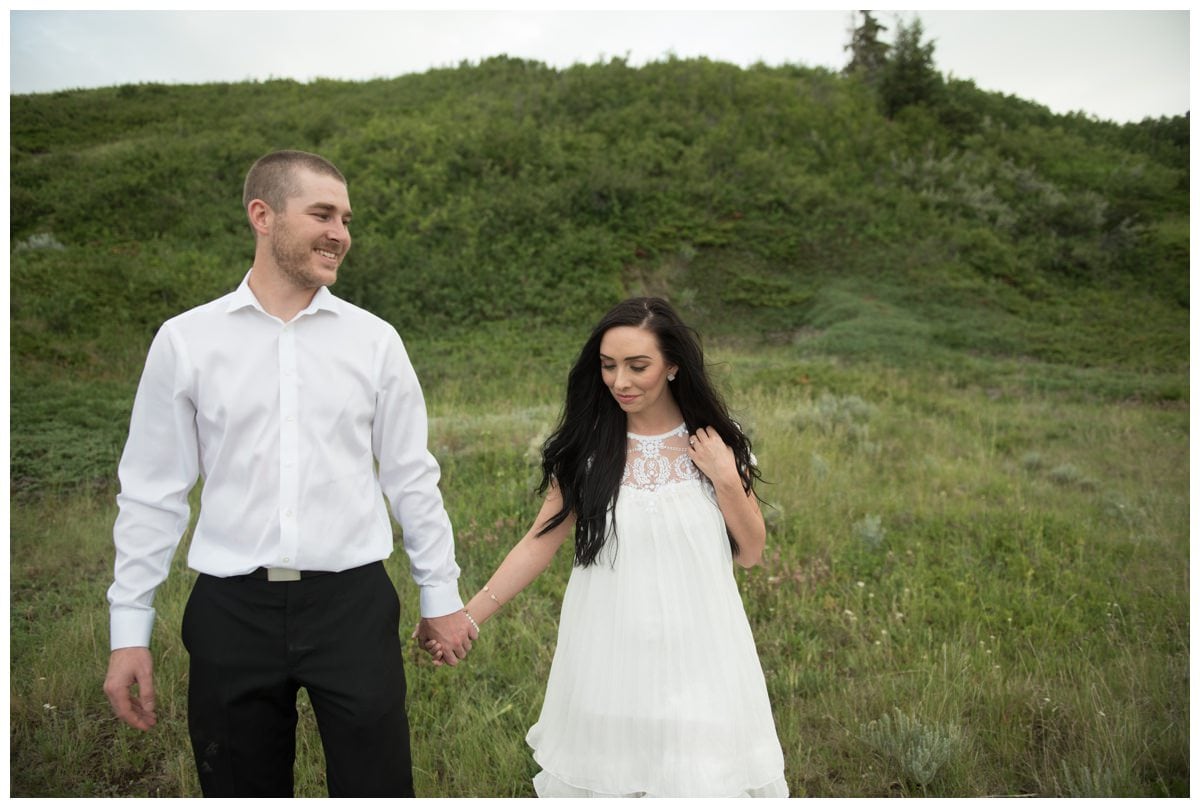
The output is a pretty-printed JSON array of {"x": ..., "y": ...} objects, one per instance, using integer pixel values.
[{"x": 282, "y": 574}]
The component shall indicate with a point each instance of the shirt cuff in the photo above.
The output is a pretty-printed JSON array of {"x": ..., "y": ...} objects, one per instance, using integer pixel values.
[
  {"x": 130, "y": 627},
  {"x": 440, "y": 599}
]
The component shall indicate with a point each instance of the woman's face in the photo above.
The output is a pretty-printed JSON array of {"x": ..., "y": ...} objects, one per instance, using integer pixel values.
[{"x": 634, "y": 370}]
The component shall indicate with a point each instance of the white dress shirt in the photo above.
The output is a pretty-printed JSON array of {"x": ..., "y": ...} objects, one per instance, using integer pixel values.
[{"x": 286, "y": 423}]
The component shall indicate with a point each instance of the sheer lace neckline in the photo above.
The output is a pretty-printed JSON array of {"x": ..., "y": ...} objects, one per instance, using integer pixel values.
[
  {"x": 679, "y": 430},
  {"x": 653, "y": 462}
]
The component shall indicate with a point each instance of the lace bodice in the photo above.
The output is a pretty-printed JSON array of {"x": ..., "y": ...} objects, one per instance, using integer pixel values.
[{"x": 653, "y": 462}]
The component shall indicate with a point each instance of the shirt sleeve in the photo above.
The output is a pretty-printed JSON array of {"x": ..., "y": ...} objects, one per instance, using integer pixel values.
[
  {"x": 158, "y": 469},
  {"x": 409, "y": 476}
]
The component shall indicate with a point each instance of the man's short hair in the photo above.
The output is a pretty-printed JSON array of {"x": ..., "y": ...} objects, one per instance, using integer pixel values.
[{"x": 272, "y": 178}]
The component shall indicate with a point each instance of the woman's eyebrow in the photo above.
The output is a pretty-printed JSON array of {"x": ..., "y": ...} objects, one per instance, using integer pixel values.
[{"x": 627, "y": 359}]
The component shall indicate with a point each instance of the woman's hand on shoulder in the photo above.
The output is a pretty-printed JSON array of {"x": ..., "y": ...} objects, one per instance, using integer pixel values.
[{"x": 712, "y": 456}]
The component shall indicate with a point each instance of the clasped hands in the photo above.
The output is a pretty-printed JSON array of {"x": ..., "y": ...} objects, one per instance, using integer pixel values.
[{"x": 446, "y": 638}]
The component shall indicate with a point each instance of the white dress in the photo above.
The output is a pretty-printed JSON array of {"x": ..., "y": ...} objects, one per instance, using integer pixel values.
[{"x": 656, "y": 689}]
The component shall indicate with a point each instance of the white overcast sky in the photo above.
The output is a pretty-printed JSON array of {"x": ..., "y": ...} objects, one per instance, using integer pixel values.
[{"x": 1111, "y": 64}]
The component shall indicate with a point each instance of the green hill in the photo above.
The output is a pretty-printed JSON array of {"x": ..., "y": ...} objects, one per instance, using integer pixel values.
[{"x": 500, "y": 207}]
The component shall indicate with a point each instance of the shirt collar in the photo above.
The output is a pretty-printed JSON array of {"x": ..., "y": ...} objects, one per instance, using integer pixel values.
[{"x": 243, "y": 297}]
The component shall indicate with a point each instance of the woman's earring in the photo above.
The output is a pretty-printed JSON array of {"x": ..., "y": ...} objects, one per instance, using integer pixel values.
[{"x": 670, "y": 377}]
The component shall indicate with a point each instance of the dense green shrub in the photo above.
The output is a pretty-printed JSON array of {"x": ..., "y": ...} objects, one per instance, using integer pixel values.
[{"x": 509, "y": 197}]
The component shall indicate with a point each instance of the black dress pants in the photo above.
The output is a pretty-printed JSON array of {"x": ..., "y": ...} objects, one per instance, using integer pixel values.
[{"x": 254, "y": 643}]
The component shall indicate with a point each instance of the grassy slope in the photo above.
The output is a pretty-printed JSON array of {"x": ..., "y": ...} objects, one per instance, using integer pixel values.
[{"x": 1010, "y": 566}]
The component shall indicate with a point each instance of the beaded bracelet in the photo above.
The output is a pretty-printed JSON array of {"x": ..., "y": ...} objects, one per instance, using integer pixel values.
[{"x": 472, "y": 619}]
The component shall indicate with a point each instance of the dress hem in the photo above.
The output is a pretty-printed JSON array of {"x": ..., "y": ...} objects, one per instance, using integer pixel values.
[{"x": 777, "y": 785}]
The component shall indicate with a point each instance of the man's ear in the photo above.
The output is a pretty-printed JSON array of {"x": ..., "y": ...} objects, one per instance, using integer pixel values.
[{"x": 260, "y": 215}]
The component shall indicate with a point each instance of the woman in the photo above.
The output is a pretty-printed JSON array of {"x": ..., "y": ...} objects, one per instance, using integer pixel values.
[{"x": 655, "y": 688}]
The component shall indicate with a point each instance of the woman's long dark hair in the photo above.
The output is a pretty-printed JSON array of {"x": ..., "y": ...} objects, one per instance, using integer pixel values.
[{"x": 585, "y": 456}]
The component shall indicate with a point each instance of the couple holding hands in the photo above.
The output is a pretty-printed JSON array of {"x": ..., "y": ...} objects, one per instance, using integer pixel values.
[{"x": 304, "y": 417}]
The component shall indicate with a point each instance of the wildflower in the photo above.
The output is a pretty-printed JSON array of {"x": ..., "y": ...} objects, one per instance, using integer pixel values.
[{"x": 860, "y": 584}]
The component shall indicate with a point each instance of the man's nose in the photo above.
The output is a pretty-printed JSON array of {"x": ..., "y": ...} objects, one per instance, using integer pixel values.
[{"x": 339, "y": 232}]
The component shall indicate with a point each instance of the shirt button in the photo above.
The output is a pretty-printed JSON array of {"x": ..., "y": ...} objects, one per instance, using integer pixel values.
[{"x": 286, "y": 560}]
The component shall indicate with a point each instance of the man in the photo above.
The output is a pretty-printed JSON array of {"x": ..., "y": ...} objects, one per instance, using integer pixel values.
[{"x": 302, "y": 412}]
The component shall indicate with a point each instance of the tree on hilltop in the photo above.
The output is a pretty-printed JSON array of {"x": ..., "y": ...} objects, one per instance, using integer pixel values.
[
  {"x": 868, "y": 55},
  {"x": 902, "y": 74},
  {"x": 910, "y": 76}
]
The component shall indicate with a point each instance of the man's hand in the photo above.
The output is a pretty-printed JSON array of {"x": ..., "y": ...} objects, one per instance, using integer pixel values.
[
  {"x": 447, "y": 638},
  {"x": 129, "y": 667}
]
